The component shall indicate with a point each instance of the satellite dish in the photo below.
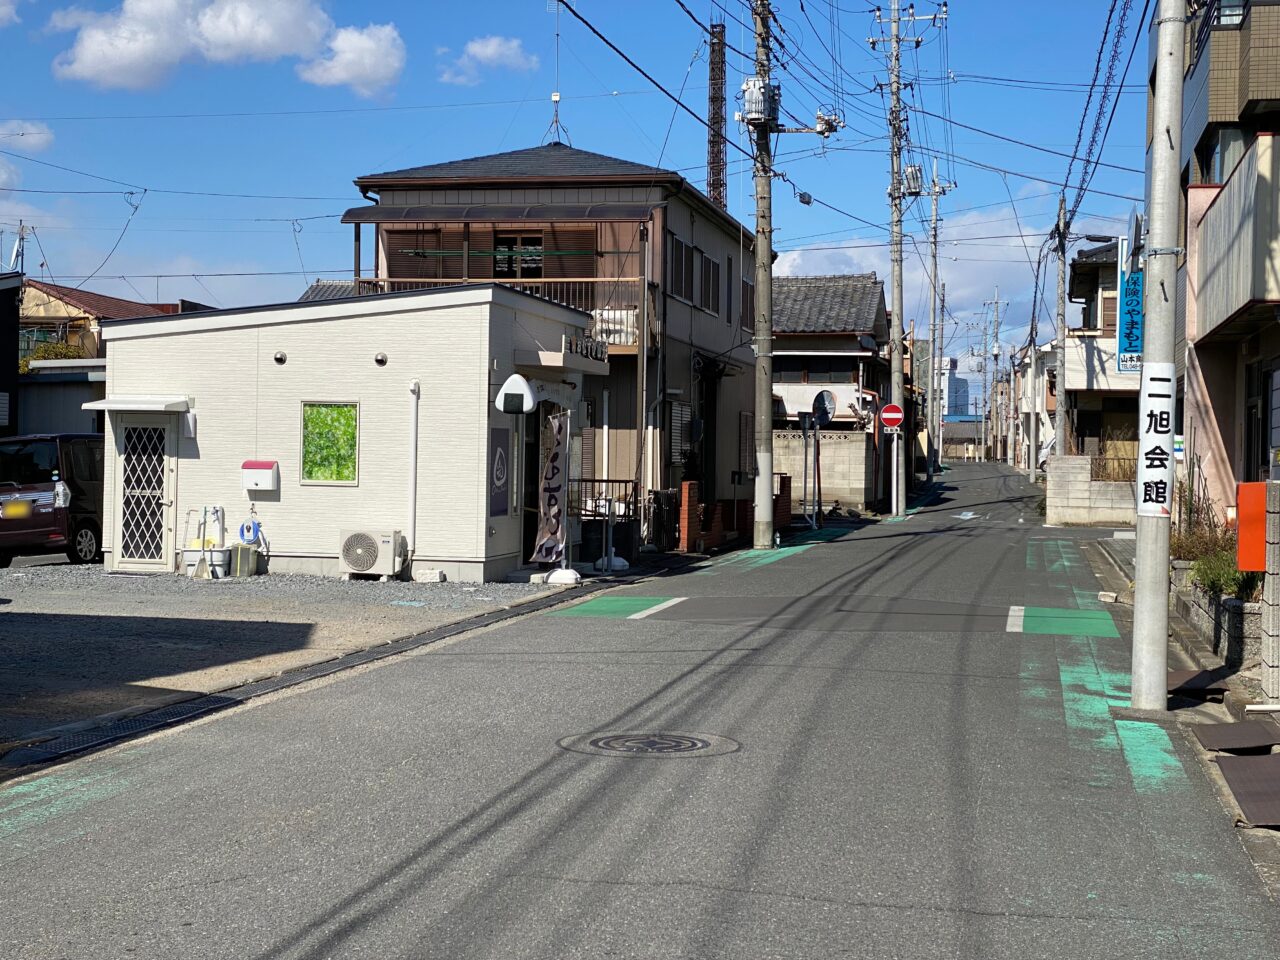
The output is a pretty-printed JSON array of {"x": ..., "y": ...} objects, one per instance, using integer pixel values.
[{"x": 824, "y": 408}]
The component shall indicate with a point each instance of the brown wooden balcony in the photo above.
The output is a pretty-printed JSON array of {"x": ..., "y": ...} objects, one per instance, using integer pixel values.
[{"x": 613, "y": 302}]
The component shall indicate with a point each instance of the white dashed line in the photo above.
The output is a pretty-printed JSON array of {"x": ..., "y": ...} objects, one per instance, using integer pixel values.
[
  {"x": 1014, "y": 623},
  {"x": 665, "y": 605}
]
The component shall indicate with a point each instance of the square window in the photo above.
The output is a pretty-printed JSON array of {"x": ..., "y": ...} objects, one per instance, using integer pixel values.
[{"x": 331, "y": 443}]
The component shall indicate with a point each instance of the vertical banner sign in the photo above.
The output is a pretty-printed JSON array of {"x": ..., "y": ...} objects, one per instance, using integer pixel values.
[
  {"x": 553, "y": 496},
  {"x": 499, "y": 472},
  {"x": 1129, "y": 323},
  {"x": 1155, "y": 441}
]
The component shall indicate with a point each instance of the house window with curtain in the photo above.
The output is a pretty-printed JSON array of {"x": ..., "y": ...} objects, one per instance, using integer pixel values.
[
  {"x": 682, "y": 270},
  {"x": 517, "y": 256},
  {"x": 710, "y": 288}
]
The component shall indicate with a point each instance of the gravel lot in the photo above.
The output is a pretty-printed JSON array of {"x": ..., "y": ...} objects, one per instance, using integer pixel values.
[{"x": 79, "y": 643}]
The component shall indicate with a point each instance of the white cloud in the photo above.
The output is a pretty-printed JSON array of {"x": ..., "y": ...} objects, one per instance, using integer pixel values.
[
  {"x": 366, "y": 60},
  {"x": 25, "y": 136},
  {"x": 139, "y": 43},
  {"x": 493, "y": 52},
  {"x": 8, "y": 12},
  {"x": 229, "y": 30}
]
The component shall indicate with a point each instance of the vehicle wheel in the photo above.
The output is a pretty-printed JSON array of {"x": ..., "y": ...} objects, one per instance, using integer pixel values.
[
  {"x": 5, "y": 560},
  {"x": 86, "y": 544}
]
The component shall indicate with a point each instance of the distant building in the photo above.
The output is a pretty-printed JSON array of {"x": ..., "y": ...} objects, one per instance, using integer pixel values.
[{"x": 955, "y": 393}]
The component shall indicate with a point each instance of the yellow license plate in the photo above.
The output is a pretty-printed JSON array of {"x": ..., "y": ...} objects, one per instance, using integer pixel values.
[{"x": 16, "y": 510}]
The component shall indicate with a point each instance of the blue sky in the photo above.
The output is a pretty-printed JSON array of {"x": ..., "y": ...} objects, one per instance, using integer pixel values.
[{"x": 316, "y": 92}]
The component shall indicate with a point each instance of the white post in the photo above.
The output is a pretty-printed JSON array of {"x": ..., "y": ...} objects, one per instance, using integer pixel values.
[
  {"x": 897, "y": 507},
  {"x": 411, "y": 522}
]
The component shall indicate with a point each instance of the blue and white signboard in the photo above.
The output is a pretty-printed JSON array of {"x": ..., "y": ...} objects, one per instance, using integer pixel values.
[{"x": 1129, "y": 323}]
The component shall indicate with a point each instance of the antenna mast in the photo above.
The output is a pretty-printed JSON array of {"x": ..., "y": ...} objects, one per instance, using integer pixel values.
[{"x": 715, "y": 120}]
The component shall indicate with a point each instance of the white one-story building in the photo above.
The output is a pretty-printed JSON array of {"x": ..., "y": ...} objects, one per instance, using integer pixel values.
[{"x": 321, "y": 420}]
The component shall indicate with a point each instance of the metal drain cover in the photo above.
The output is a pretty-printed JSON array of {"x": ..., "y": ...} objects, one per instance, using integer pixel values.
[{"x": 662, "y": 745}]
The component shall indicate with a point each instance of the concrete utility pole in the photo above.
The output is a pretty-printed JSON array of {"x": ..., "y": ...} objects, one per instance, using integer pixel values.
[
  {"x": 1155, "y": 472},
  {"x": 942, "y": 315},
  {"x": 994, "y": 353},
  {"x": 934, "y": 427},
  {"x": 1060, "y": 414},
  {"x": 763, "y": 532},
  {"x": 897, "y": 132}
]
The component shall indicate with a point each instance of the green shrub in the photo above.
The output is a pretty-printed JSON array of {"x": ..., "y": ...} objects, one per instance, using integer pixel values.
[
  {"x": 1200, "y": 540},
  {"x": 1216, "y": 574},
  {"x": 51, "y": 351}
]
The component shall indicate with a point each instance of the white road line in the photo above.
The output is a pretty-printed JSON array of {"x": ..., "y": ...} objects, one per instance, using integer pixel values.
[
  {"x": 666, "y": 604},
  {"x": 1014, "y": 623}
]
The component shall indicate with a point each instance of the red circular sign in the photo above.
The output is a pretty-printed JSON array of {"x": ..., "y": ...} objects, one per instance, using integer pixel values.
[{"x": 891, "y": 415}]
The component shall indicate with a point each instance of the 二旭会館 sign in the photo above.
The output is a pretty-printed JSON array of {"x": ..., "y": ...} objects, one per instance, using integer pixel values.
[{"x": 1129, "y": 323}]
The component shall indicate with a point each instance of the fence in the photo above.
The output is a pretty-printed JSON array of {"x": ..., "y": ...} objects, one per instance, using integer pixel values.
[
  {"x": 1118, "y": 469},
  {"x": 590, "y": 499}
]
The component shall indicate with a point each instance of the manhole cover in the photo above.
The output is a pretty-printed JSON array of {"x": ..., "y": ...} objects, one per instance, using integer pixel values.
[{"x": 650, "y": 744}]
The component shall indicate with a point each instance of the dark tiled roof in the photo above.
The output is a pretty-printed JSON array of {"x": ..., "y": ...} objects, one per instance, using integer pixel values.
[
  {"x": 1103, "y": 254},
  {"x": 96, "y": 305},
  {"x": 328, "y": 290},
  {"x": 550, "y": 161},
  {"x": 832, "y": 304}
]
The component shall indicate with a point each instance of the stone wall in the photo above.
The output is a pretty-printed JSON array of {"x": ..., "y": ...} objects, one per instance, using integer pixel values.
[
  {"x": 848, "y": 460},
  {"x": 1071, "y": 498}
]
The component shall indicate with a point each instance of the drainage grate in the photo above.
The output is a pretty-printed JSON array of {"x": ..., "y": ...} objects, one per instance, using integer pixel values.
[{"x": 650, "y": 745}]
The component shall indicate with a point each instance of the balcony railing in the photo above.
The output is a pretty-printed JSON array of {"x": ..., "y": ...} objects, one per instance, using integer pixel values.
[
  {"x": 613, "y": 302},
  {"x": 1236, "y": 236},
  {"x": 1218, "y": 13}
]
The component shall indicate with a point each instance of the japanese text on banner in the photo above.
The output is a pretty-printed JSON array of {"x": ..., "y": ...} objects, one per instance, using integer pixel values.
[
  {"x": 1129, "y": 323},
  {"x": 1155, "y": 440}
]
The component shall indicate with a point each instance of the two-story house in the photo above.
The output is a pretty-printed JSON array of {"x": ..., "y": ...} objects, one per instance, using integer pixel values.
[
  {"x": 665, "y": 274},
  {"x": 1101, "y": 400},
  {"x": 830, "y": 334},
  {"x": 1228, "y": 290}
]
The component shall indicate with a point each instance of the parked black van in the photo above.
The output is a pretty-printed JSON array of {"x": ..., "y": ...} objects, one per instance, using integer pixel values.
[{"x": 51, "y": 496}]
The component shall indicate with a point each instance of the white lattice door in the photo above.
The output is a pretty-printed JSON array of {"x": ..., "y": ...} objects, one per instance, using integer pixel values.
[{"x": 144, "y": 493}]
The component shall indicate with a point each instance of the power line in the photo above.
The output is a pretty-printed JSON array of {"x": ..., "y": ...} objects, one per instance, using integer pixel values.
[{"x": 1024, "y": 143}]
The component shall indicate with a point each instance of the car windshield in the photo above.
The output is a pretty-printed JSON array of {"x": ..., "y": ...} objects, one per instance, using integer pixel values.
[{"x": 29, "y": 462}]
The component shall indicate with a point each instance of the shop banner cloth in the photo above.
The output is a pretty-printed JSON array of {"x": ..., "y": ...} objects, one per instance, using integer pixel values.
[{"x": 553, "y": 497}]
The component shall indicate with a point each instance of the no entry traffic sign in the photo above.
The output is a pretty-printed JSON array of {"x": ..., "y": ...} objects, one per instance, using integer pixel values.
[{"x": 891, "y": 415}]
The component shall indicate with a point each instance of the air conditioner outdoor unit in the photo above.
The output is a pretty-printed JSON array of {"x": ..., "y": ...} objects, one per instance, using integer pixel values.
[{"x": 375, "y": 553}]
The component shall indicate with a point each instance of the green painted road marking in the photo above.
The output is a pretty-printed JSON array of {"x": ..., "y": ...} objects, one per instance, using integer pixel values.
[
  {"x": 612, "y": 608},
  {"x": 1069, "y": 623},
  {"x": 750, "y": 559},
  {"x": 825, "y": 535},
  {"x": 36, "y": 802},
  {"x": 1153, "y": 763}
]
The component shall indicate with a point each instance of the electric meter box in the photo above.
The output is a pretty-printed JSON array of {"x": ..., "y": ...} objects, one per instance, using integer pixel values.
[{"x": 260, "y": 475}]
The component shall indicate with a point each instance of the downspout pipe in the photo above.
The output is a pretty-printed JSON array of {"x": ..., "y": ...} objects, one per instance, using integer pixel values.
[{"x": 411, "y": 525}]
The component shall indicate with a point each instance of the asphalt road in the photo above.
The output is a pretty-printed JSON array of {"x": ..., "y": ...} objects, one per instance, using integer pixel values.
[{"x": 927, "y": 767}]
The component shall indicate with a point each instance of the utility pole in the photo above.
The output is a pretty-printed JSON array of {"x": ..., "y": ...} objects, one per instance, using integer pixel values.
[
  {"x": 897, "y": 190},
  {"x": 763, "y": 129},
  {"x": 942, "y": 315},
  {"x": 1150, "y": 681},
  {"x": 986, "y": 395},
  {"x": 934, "y": 428},
  {"x": 995, "y": 369},
  {"x": 1060, "y": 413},
  {"x": 761, "y": 102},
  {"x": 897, "y": 133}
]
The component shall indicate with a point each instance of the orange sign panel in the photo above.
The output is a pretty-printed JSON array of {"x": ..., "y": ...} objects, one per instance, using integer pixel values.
[{"x": 1251, "y": 526}]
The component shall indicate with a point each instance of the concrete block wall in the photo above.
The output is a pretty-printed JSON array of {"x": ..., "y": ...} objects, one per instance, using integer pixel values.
[
  {"x": 1270, "y": 653},
  {"x": 1072, "y": 499},
  {"x": 847, "y": 465}
]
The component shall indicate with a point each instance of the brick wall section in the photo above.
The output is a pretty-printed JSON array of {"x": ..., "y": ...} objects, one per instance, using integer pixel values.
[
  {"x": 690, "y": 516},
  {"x": 713, "y": 535},
  {"x": 1072, "y": 499},
  {"x": 746, "y": 518},
  {"x": 782, "y": 503}
]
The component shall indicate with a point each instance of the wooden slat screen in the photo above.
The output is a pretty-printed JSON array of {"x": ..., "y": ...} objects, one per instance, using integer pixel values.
[
  {"x": 578, "y": 246},
  {"x": 403, "y": 263}
]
